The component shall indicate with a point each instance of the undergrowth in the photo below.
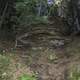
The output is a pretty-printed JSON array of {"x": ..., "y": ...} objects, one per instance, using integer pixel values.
[
  {"x": 27, "y": 77},
  {"x": 4, "y": 68},
  {"x": 75, "y": 73}
]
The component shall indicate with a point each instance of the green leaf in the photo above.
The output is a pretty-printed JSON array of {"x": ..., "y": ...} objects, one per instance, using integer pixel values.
[{"x": 27, "y": 77}]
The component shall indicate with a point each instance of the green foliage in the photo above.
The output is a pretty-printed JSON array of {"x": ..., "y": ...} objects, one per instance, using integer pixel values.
[
  {"x": 27, "y": 12},
  {"x": 27, "y": 77},
  {"x": 74, "y": 74},
  {"x": 4, "y": 68},
  {"x": 27, "y": 7}
]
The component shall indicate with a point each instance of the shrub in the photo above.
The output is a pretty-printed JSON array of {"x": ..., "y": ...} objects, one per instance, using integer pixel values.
[{"x": 27, "y": 77}]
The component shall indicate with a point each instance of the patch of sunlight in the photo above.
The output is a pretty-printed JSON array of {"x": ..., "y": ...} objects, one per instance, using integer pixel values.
[
  {"x": 51, "y": 55},
  {"x": 57, "y": 2}
]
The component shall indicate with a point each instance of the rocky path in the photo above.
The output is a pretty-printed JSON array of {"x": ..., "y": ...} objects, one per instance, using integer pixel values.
[
  {"x": 49, "y": 64},
  {"x": 43, "y": 49}
]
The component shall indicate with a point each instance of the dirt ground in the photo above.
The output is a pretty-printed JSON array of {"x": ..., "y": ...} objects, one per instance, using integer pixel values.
[
  {"x": 48, "y": 54},
  {"x": 50, "y": 64},
  {"x": 47, "y": 63}
]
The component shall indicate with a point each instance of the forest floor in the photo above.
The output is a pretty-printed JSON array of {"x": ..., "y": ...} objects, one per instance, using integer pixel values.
[
  {"x": 45, "y": 63},
  {"x": 48, "y": 57}
]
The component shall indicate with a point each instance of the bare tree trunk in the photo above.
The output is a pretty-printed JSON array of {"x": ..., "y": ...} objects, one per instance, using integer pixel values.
[{"x": 3, "y": 15}]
